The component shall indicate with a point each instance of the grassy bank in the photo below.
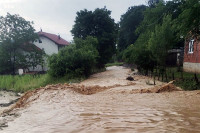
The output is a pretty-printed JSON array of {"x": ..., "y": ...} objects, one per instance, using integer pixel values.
[
  {"x": 182, "y": 79},
  {"x": 114, "y": 64},
  {"x": 28, "y": 82}
]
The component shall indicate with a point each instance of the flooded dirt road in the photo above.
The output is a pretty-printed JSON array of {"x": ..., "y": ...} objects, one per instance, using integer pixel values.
[{"x": 118, "y": 108}]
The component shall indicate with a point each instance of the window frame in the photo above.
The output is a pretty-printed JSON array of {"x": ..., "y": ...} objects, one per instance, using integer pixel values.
[{"x": 191, "y": 46}]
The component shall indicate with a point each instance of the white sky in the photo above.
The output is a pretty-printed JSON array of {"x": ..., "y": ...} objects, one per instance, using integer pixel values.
[{"x": 57, "y": 16}]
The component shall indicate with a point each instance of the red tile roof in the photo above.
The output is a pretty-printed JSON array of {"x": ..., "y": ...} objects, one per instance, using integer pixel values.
[{"x": 58, "y": 40}]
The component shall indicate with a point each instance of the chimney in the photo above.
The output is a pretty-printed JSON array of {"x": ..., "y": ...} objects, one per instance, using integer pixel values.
[
  {"x": 59, "y": 36},
  {"x": 41, "y": 29}
]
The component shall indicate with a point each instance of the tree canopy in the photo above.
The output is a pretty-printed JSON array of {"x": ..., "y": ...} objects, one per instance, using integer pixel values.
[
  {"x": 128, "y": 24},
  {"x": 160, "y": 31},
  {"x": 99, "y": 24},
  {"x": 16, "y": 33},
  {"x": 188, "y": 22}
]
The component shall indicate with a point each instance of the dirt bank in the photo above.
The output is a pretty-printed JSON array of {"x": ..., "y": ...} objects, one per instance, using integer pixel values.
[
  {"x": 7, "y": 99},
  {"x": 106, "y": 102}
]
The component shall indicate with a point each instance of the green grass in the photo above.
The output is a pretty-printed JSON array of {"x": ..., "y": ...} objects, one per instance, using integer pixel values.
[
  {"x": 177, "y": 74},
  {"x": 114, "y": 64},
  {"x": 186, "y": 83},
  {"x": 29, "y": 82}
]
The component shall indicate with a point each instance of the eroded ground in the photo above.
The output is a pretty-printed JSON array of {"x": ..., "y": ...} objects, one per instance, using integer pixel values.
[
  {"x": 6, "y": 99},
  {"x": 106, "y": 102}
]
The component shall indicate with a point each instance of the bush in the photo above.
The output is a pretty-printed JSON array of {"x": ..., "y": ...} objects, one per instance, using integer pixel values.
[
  {"x": 75, "y": 60},
  {"x": 139, "y": 55}
]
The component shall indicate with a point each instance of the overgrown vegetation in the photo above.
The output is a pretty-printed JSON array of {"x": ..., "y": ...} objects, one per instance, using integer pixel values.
[
  {"x": 77, "y": 60},
  {"x": 16, "y": 50},
  {"x": 98, "y": 24},
  {"x": 29, "y": 82},
  {"x": 114, "y": 64},
  {"x": 165, "y": 25},
  {"x": 128, "y": 25},
  {"x": 182, "y": 79},
  {"x": 146, "y": 33}
]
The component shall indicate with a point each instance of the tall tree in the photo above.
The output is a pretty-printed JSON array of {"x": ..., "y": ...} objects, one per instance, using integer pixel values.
[
  {"x": 99, "y": 24},
  {"x": 188, "y": 22},
  {"x": 161, "y": 40},
  {"x": 128, "y": 24},
  {"x": 152, "y": 17},
  {"x": 152, "y": 3},
  {"x": 15, "y": 32}
]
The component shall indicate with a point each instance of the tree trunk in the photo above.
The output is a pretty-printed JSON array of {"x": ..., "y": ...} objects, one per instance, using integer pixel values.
[
  {"x": 173, "y": 75},
  {"x": 14, "y": 62},
  {"x": 182, "y": 75},
  {"x": 166, "y": 76},
  {"x": 196, "y": 79},
  {"x": 154, "y": 79}
]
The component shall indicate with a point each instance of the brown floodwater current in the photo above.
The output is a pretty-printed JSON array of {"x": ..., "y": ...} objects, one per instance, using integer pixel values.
[{"x": 115, "y": 109}]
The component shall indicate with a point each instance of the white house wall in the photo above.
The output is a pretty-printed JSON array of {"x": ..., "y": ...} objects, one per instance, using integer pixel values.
[{"x": 49, "y": 46}]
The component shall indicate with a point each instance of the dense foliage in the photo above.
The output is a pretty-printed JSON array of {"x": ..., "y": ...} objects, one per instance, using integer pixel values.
[
  {"x": 160, "y": 30},
  {"x": 99, "y": 24},
  {"x": 15, "y": 37},
  {"x": 128, "y": 24},
  {"x": 78, "y": 59},
  {"x": 188, "y": 22}
]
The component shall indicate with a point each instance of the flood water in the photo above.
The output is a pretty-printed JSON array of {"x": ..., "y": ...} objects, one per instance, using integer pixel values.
[{"x": 112, "y": 110}]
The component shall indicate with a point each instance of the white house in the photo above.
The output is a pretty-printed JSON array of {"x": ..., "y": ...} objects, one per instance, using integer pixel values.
[{"x": 51, "y": 44}]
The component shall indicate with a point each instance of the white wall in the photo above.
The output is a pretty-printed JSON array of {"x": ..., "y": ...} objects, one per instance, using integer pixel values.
[{"x": 49, "y": 46}]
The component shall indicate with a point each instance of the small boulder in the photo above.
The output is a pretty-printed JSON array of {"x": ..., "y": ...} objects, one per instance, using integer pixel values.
[{"x": 130, "y": 78}]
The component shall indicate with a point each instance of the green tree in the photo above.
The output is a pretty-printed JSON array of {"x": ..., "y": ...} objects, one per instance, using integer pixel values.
[
  {"x": 76, "y": 60},
  {"x": 140, "y": 54},
  {"x": 161, "y": 40},
  {"x": 128, "y": 24},
  {"x": 152, "y": 17},
  {"x": 34, "y": 57},
  {"x": 188, "y": 22},
  {"x": 152, "y": 3},
  {"x": 15, "y": 32},
  {"x": 99, "y": 24}
]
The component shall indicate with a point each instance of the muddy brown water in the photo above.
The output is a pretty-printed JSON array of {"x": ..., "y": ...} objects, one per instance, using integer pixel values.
[{"x": 112, "y": 110}]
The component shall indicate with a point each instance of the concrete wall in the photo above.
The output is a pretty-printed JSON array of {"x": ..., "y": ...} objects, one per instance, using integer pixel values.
[
  {"x": 49, "y": 46},
  {"x": 191, "y": 67},
  {"x": 192, "y": 60}
]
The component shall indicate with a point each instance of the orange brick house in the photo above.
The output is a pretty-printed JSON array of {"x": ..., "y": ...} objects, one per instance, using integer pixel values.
[{"x": 192, "y": 56}]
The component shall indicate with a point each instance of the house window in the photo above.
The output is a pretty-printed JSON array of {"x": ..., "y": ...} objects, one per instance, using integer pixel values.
[{"x": 191, "y": 46}]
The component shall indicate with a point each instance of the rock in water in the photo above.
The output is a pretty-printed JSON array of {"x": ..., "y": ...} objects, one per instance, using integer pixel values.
[{"x": 130, "y": 78}]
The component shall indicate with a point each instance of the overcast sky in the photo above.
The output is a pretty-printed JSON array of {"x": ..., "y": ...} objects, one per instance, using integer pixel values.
[{"x": 57, "y": 16}]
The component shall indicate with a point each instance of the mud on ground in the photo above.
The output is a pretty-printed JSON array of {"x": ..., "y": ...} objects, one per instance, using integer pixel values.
[{"x": 106, "y": 102}]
